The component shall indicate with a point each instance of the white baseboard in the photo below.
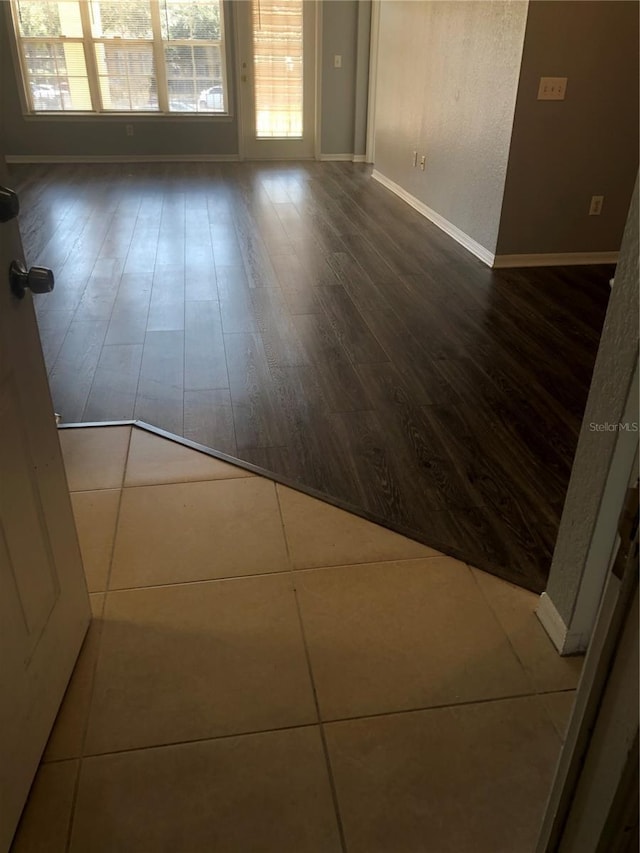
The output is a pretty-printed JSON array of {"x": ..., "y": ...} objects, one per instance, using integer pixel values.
[
  {"x": 561, "y": 259},
  {"x": 343, "y": 158},
  {"x": 565, "y": 641},
  {"x": 121, "y": 158},
  {"x": 551, "y": 621},
  {"x": 448, "y": 227}
]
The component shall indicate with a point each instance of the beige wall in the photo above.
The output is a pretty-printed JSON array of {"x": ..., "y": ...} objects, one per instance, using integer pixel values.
[
  {"x": 446, "y": 87},
  {"x": 563, "y": 152}
]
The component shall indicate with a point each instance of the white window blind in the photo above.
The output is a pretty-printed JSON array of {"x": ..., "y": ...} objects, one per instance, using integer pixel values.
[
  {"x": 278, "y": 67},
  {"x": 123, "y": 55}
]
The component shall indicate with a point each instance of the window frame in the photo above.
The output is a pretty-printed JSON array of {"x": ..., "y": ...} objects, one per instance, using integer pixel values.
[{"x": 158, "y": 45}]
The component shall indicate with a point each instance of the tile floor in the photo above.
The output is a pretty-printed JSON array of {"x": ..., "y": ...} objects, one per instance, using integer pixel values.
[{"x": 265, "y": 672}]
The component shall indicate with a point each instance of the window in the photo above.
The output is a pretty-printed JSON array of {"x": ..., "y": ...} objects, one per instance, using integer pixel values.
[{"x": 140, "y": 56}]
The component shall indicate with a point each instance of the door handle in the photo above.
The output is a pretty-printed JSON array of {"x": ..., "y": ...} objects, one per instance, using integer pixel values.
[
  {"x": 37, "y": 279},
  {"x": 9, "y": 204}
]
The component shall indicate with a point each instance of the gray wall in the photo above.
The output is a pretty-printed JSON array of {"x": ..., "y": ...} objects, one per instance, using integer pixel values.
[
  {"x": 446, "y": 86},
  {"x": 343, "y": 108},
  {"x": 563, "y": 152},
  {"x": 362, "y": 77},
  {"x": 345, "y": 31},
  {"x": 614, "y": 368}
]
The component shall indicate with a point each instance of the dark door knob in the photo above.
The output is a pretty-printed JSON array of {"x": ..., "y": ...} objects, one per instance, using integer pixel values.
[
  {"x": 37, "y": 279},
  {"x": 9, "y": 204}
]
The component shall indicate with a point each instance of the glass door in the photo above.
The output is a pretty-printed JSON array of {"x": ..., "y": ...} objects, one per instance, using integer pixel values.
[{"x": 277, "y": 73}]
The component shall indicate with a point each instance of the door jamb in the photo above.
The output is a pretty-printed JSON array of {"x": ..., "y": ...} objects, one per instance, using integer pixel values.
[{"x": 370, "y": 149}]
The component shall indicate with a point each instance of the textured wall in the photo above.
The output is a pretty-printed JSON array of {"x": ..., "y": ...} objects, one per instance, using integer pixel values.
[
  {"x": 612, "y": 375},
  {"x": 563, "y": 152},
  {"x": 446, "y": 87}
]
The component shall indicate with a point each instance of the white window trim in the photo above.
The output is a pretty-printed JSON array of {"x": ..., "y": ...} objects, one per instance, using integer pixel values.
[{"x": 158, "y": 44}]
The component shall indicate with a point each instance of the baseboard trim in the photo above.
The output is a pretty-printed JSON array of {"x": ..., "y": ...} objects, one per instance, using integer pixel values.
[
  {"x": 343, "y": 158},
  {"x": 121, "y": 158},
  {"x": 565, "y": 641},
  {"x": 443, "y": 224},
  {"x": 160, "y": 158},
  {"x": 561, "y": 259},
  {"x": 551, "y": 621}
]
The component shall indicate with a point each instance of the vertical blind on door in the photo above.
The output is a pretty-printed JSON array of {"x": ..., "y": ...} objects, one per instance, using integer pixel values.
[{"x": 278, "y": 67}]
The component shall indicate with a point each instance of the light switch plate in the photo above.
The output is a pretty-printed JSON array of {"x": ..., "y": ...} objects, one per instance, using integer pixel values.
[
  {"x": 337, "y": 60},
  {"x": 552, "y": 88}
]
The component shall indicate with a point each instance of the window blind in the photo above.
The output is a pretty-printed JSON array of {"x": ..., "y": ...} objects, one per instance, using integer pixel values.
[{"x": 278, "y": 67}]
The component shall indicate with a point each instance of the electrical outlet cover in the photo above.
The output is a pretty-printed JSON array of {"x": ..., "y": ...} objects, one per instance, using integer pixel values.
[{"x": 552, "y": 88}]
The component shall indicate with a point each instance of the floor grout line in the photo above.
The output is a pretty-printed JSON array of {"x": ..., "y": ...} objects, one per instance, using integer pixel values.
[
  {"x": 325, "y": 747},
  {"x": 76, "y": 785},
  {"x": 316, "y": 723},
  {"x": 98, "y": 643},
  {"x": 272, "y": 573},
  {"x": 531, "y": 680}
]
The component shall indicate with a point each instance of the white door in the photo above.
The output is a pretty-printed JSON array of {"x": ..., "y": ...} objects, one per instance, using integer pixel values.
[
  {"x": 44, "y": 606},
  {"x": 276, "y": 42}
]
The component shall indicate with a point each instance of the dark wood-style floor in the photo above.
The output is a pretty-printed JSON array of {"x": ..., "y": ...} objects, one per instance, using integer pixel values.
[{"x": 302, "y": 318}]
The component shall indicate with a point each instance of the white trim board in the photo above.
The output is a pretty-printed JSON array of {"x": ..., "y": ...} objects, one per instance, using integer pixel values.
[
  {"x": 373, "y": 82},
  {"x": 317, "y": 70},
  {"x": 551, "y": 621},
  {"x": 561, "y": 259},
  {"x": 565, "y": 641},
  {"x": 121, "y": 158},
  {"x": 448, "y": 227},
  {"x": 342, "y": 158}
]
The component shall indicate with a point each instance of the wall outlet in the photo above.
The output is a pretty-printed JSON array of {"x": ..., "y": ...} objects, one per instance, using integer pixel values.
[
  {"x": 337, "y": 61},
  {"x": 423, "y": 162},
  {"x": 128, "y": 129},
  {"x": 415, "y": 158},
  {"x": 595, "y": 208},
  {"x": 552, "y": 88}
]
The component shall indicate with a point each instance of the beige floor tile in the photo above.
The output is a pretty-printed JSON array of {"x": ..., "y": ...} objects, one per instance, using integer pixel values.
[
  {"x": 393, "y": 636},
  {"x": 319, "y": 534},
  {"x": 515, "y": 609},
  {"x": 470, "y": 779},
  {"x": 179, "y": 663},
  {"x": 197, "y": 531},
  {"x": 153, "y": 459},
  {"x": 264, "y": 793},
  {"x": 558, "y": 707},
  {"x": 45, "y": 821},
  {"x": 65, "y": 740},
  {"x": 94, "y": 457},
  {"x": 96, "y": 514}
]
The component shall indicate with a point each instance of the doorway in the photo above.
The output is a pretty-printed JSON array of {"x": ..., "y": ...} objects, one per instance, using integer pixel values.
[{"x": 277, "y": 78}]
